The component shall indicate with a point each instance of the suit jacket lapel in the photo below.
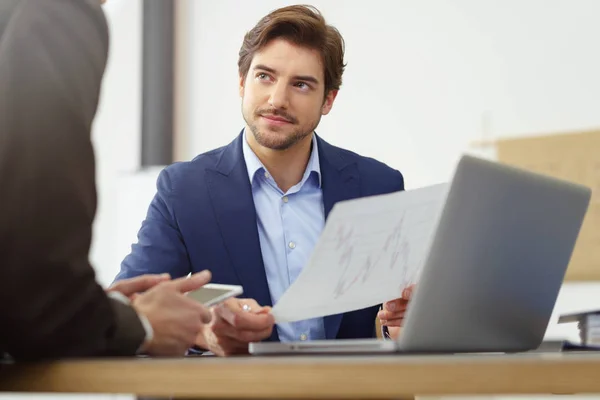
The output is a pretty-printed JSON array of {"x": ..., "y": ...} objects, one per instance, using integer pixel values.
[
  {"x": 340, "y": 181},
  {"x": 231, "y": 195}
]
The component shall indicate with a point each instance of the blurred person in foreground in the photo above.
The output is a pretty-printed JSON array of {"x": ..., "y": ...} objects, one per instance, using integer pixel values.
[{"x": 52, "y": 58}]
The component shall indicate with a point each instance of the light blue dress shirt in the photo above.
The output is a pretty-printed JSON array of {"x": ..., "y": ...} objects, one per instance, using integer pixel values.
[{"x": 289, "y": 225}]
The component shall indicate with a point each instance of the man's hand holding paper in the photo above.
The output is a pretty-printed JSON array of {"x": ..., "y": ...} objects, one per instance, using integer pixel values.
[
  {"x": 392, "y": 314},
  {"x": 371, "y": 250}
]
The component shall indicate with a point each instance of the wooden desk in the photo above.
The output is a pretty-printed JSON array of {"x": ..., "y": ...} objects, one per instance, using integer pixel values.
[{"x": 339, "y": 377}]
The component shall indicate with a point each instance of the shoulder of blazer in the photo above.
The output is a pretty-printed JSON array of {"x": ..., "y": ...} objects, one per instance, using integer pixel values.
[
  {"x": 375, "y": 174},
  {"x": 178, "y": 177}
]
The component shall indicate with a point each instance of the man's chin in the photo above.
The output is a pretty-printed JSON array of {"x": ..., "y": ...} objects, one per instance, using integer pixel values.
[
  {"x": 276, "y": 144},
  {"x": 275, "y": 140}
]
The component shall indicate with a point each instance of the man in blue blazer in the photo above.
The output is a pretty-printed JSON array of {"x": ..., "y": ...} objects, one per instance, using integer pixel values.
[{"x": 251, "y": 212}]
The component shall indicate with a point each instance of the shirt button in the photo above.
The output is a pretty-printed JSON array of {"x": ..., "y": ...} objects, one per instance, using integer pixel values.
[
  {"x": 285, "y": 199},
  {"x": 292, "y": 245},
  {"x": 303, "y": 337},
  {"x": 267, "y": 175}
]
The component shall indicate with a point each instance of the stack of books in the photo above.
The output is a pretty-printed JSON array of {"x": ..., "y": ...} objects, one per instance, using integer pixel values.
[{"x": 589, "y": 326}]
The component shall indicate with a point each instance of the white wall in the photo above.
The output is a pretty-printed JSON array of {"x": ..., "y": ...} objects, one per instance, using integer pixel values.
[{"x": 117, "y": 132}]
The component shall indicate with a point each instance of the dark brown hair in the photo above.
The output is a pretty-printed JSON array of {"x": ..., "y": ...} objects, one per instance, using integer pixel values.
[{"x": 302, "y": 25}]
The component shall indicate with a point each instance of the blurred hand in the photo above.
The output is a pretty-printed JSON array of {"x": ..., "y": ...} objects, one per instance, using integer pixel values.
[
  {"x": 132, "y": 286},
  {"x": 176, "y": 319},
  {"x": 235, "y": 324},
  {"x": 392, "y": 314}
]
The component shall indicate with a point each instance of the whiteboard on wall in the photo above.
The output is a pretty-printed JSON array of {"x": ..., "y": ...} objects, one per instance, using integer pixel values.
[{"x": 573, "y": 156}]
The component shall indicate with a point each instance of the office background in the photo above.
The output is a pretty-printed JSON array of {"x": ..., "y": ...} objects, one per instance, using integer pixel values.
[{"x": 424, "y": 80}]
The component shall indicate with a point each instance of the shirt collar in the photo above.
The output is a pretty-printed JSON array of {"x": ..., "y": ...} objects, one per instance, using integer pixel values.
[{"x": 254, "y": 165}]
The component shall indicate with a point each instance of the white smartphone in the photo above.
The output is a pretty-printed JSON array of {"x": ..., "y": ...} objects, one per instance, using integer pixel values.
[{"x": 214, "y": 293}]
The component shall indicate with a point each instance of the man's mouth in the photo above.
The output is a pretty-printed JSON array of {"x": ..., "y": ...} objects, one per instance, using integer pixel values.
[{"x": 276, "y": 119}]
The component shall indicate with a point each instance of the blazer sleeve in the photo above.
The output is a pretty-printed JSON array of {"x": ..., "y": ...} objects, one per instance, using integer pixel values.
[
  {"x": 52, "y": 59},
  {"x": 160, "y": 247}
]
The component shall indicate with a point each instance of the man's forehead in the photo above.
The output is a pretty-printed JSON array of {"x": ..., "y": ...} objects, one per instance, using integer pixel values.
[{"x": 288, "y": 59}]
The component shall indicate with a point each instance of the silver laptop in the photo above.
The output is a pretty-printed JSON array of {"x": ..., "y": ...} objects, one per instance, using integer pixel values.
[{"x": 494, "y": 269}]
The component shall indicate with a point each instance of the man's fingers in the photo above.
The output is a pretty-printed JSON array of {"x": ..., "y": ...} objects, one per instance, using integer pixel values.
[
  {"x": 230, "y": 307},
  {"x": 187, "y": 332},
  {"x": 244, "y": 319},
  {"x": 395, "y": 305},
  {"x": 226, "y": 346},
  {"x": 205, "y": 315},
  {"x": 265, "y": 310},
  {"x": 253, "y": 336},
  {"x": 223, "y": 329},
  {"x": 247, "y": 305},
  {"x": 386, "y": 315},
  {"x": 130, "y": 286},
  {"x": 198, "y": 309},
  {"x": 401, "y": 303},
  {"x": 228, "y": 311},
  {"x": 408, "y": 292},
  {"x": 195, "y": 281},
  {"x": 393, "y": 322},
  {"x": 254, "y": 322}
]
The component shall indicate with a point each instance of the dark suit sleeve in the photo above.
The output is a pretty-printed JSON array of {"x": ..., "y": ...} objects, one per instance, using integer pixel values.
[
  {"x": 399, "y": 181},
  {"x": 52, "y": 58},
  {"x": 160, "y": 247}
]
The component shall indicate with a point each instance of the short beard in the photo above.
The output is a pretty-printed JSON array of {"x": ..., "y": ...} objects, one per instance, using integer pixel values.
[
  {"x": 286, "y": 142},
  {"x": 275, "y": 144}
]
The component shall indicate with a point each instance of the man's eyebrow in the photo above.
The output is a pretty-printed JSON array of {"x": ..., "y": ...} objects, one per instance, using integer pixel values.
[
  {"x": 264, "y": 68},
  {"x": 307, "y": 78}
]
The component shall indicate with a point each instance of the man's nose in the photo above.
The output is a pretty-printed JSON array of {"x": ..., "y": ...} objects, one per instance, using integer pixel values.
[{"x": 279, "y": 96}]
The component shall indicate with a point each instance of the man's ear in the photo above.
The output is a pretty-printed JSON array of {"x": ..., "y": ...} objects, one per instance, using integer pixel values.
[
  {"x": 241, "y": 87},
  {"x": 328, "y": 102}
]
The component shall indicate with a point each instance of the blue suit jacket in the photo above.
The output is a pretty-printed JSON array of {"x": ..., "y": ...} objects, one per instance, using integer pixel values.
[{"x": 203, "y": 217}]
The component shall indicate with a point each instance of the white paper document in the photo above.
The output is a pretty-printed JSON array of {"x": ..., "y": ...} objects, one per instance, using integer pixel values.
[{"x": 369, "y": 251}]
